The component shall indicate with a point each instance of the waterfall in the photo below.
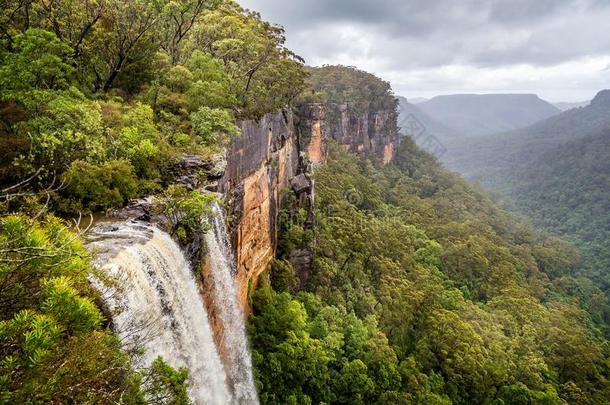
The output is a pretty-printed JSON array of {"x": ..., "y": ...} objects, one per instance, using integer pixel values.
[
  {"x": 222, "y": 267},
  {"x": 157, "y": 305}
]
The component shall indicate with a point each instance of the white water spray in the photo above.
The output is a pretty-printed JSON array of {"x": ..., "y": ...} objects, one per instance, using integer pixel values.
[
  {"x": 230, "y": 312},
  {"x": 157, "y": 305}
]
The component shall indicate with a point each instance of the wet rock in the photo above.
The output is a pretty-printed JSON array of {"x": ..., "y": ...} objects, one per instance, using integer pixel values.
[
  {"x": 138, "y": 209},
  {"x": 193, "y": 172},
  {"x": 188, "y": 171},
  {"x": 211, "y": 187},
  {"x": 191, "y": 162},
  {"x": 216, "y": 166}
]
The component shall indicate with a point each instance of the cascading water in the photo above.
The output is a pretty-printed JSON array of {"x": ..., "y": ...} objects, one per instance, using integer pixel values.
[
  {"x": 157, "y": 305},
  {"x": 231, "y": 315}
]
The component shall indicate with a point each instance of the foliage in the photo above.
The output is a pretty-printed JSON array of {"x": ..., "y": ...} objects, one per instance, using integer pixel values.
[
  {"x": 140, "y": 80},
  {"x": 92, "y": 188},
  {"x": 54, "y": 346},
  {"x": 555, "y": 172},
  {"x": 566, "y": 194},
  {"x": 349, "y": 85},
  {"x": 165, "y": 385},
  {"x": 282, "y": 276},
  {"x": 39, "y": 63},
  {"x": 210, "y": 125},
  {"x": 264, "y": 74},
  {"x": 306, "y": 352},
  {"x": 458, "y": 289},
  {"x": 185, "y": 211}
]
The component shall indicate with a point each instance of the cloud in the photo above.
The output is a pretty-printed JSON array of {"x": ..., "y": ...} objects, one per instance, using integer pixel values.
[{"x": 396, "y": 37}]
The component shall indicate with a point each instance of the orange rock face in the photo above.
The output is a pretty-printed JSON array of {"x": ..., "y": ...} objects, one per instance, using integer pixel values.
[
  {"x": 260, "y": 165},
  {"x": 269, "y": 153},
  {"x": 370, "y": 133},
  {"x": 388, "y": 153},
  {"x": 314, "y": 149},
  {"x": 254, "y": 237}
]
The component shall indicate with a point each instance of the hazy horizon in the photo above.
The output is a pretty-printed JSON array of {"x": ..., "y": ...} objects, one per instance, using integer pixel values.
[{"x": 430, "y": 95}]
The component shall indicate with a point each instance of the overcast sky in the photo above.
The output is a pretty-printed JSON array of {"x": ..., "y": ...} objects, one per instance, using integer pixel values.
[{"x": 559, "y": 49}]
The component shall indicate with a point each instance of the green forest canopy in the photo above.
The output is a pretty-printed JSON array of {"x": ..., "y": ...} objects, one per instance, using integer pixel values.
[
  {"x": 424, "y": 291},
  {"x": 125, "y": 87}
]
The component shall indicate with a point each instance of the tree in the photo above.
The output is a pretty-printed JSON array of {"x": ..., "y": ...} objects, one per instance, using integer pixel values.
[
  {"x": 264, "y": 74},
  {"x": 178, "y": 18},
  {"x": 186, "y": 211},
  {"x": 38, "y": 63},
  {"x": 122, "y": 39},
  {"x": 54, "y": 346},
  {"x": 92, "y": 187},
  {"x": 213, "y": 126}
]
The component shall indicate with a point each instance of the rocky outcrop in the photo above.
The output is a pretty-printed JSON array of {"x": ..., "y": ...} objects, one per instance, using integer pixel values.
[
  {"x": 372, "y": 133},
  {"x": 273, "y": 157},
  {"x": 195, "y": 173}
]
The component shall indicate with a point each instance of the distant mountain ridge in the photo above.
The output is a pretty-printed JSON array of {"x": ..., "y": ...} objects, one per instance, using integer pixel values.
[
  {"x": 418, "y": 100},
  {"x": 526, "y": 143},
  {"x": 484, "y": 114},
  {"x": 409, "y": 112}
]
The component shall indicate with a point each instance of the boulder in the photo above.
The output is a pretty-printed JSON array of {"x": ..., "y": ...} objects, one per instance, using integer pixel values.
[{"x": 300, "y": 183}]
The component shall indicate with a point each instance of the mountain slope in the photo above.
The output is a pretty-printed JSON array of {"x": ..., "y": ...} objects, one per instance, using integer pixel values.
[
  {"x": 567, "y": 191},
  {"x": 480, "y": 114},
  {"x": 487, "y": 158},
  {"x": 557, "y": 172},
  {"x": 423, "y": 291},
  {"x": 423, "y": 122}
]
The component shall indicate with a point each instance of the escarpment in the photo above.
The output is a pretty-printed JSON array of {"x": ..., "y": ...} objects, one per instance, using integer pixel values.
[
  {"x": 373, "y": 133},
  {"x": 260, "y": 164},
  {"x": 274, "y": 156}
]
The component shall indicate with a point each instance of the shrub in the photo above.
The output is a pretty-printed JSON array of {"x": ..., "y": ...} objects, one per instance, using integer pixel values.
[
  {"x": 93, "y": 187},
  {"x": 185, "y": 211},
  {"x": 213, "y": 126}
]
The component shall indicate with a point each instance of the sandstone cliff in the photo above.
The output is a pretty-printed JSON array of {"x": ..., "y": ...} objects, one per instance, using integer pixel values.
[{"x": 274, "y": 156}]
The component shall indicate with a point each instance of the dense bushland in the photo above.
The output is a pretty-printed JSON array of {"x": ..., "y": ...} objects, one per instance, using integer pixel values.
[
  {"x": 424, "y": 291},
  {"x": 54, "y": 342},
  {"x": 106, "y": 95},
  {"x": 556, "y": 174}
]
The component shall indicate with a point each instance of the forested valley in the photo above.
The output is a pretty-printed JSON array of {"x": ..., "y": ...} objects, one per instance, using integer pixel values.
[
  {"x": 422, "y": 288},
  {"x": 556, "y": 174},
  {"x": 424, "y": 291}
]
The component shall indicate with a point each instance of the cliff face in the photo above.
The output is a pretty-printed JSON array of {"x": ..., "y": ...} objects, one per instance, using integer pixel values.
[
  {"x": 273, "y": 156},
  {"x": 372, "y": 133},
  {"x": 260, "y": 164}
]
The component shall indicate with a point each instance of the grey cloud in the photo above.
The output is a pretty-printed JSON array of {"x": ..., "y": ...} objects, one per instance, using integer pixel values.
[
  {"x": 454, "y": 25},
  {"x": 401, "y": 37}
]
